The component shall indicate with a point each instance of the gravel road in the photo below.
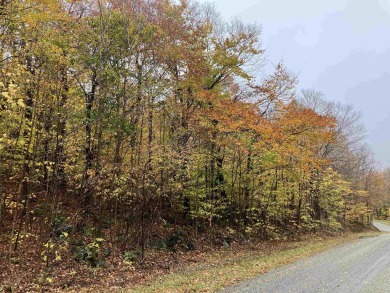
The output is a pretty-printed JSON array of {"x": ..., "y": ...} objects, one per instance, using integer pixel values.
[{"x": 360, "y": 266}]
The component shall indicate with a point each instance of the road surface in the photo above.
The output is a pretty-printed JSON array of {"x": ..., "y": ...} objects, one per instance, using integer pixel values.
[{"x": 360, "y": 266}]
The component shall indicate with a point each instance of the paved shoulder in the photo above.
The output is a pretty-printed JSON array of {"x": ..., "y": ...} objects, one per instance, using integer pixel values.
[
  {"x": 361, "y": 266},
  {"x": 382, "y": 227}
]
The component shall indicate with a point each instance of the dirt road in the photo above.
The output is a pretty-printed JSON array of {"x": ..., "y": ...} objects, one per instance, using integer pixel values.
[{"x": 361, "y": 266}]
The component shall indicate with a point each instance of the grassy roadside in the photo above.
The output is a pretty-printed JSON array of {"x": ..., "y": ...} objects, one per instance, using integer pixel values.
[
  {"x": 226, "y": 268},
  {"x": 384, "y": 222}
]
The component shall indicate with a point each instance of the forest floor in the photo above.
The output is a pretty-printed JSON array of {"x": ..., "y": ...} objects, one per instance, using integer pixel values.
[{"x": 208, "y": 268}]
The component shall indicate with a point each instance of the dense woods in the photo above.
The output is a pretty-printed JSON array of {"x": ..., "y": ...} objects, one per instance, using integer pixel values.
[{"x": 145, "y": 124}]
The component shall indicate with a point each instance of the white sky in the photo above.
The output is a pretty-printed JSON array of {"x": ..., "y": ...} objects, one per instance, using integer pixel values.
[{"x": 339, "y": 47}]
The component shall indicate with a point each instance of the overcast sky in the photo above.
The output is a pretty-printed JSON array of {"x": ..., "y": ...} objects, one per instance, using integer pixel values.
[{"x": 338, "y": 47}]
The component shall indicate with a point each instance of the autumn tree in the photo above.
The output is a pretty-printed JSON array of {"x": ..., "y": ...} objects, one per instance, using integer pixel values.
[{"x": 133, "y": 121}]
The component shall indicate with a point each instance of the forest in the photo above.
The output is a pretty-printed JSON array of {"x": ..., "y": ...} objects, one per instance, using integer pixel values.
[{"x": 128, "y": 126}]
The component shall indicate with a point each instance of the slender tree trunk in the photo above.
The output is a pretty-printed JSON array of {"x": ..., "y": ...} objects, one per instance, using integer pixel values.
[
  {"x": 89, "y": 144},
  {"x": 27, "y": 134}
]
